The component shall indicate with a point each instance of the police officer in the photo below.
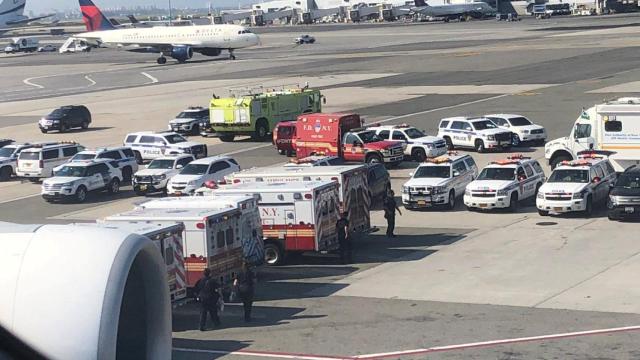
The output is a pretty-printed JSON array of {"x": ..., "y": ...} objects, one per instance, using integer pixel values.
[
  {"x": 344, "y": 240},
  {"x": 208, "y": 292},
  {"x": 390, "y": 208},
  {"x": 244, "y": 283}
]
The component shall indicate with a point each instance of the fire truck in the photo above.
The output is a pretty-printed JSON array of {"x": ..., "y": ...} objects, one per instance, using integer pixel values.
[
  {"x": 283, "y": 135},
  {"x": 296, "y": 216},
  {"x": 211, "y": 239},
  {"x": 256, "y": 112},
  {"x": 354, "y": 194},
  {"x": 343, "y": 135}
]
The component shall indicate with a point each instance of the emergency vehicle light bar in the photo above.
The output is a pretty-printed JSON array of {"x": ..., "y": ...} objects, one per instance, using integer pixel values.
[
  {"x": 518, "y": 157},
  {"x": 594, "y": 154},
  {"x": 438, "y": 160},
  {"x": 576, "y": 163}
]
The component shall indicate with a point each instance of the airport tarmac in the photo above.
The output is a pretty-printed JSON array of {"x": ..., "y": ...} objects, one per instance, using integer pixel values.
[{"x": 453, "y": 285}]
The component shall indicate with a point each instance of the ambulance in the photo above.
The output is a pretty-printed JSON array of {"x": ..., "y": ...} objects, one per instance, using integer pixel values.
[
  {"x": 168, "y": 238},
  {"x": 211, "y": 238},
  {"x": 297, "y": 216},
  {"x": 354, "y": 192}
]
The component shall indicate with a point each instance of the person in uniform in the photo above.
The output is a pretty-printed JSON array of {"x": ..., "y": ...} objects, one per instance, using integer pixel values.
[
  {"x": 208, "y": 291},
  {"x": 390, "y": 208},
  {"x": 244, "y": 283},
  {"x": 344, "y": 240}
]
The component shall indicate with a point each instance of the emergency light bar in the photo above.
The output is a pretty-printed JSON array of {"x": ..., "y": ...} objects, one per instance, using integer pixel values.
[
  {"x": 576, "y": 163},
  {"x": 593, "y": 154},
  {"x": 438, "y": 160}
]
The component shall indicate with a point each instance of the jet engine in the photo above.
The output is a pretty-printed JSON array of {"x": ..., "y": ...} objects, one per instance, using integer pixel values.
[
  {"x": 210, "y": 51},
  {"x": 181, "y": 53},
  {"x": 74, "y": 292}
]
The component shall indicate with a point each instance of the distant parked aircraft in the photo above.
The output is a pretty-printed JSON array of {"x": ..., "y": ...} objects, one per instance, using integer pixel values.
[{"x": 465, "y": 11}]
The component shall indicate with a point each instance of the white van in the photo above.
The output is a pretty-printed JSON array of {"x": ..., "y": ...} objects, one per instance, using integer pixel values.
[{"x": 38, "y": 162}]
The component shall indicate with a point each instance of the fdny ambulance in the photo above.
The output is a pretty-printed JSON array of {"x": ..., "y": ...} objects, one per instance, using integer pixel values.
[
  {"x": 296, "y": 216},
  {"x": 354, "y": 193},
  {"x": 502, "y": 184}
]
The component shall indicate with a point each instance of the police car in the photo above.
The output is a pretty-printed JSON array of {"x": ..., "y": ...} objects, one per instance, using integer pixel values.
[
  {"x": 189, "y": 120},
  {"x": 477, "y": 133},
  {"x": 522, "y": 128},
  {"x": 74, "y": 180},
  {"x": 576, "y": 185},
  {"x": 502, "y": 184},
  {"x": 419, "y": 145},
  {"x": 439, "y": 181},
  {"x": 156, "y": 175},
  {"x": 122, "y": 155},
  {"x": 148, "y": 145}
]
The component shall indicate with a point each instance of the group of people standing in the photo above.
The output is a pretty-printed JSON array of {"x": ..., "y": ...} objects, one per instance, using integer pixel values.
[{"x": 209, "y": 293}]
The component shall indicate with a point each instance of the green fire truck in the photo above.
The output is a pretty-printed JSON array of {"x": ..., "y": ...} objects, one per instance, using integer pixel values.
[{"x": 256, "y": 113}]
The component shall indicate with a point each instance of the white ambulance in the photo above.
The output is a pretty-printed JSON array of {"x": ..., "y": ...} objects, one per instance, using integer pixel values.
[
  {"x": 354, "y": 192},
  {"x": 210, "y": 240},
  {"x": 168, "y": 238},
  {"x": 296, "y": 216},
  {"x": 611, "y": 126}
]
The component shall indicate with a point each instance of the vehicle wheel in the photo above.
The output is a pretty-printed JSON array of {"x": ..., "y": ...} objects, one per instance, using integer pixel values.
[
  {"x": 480, "y": 146},
  {"x": 227, "y": 138},
  {"x": 452, "y": 200},
  {"x": 419, "y": 155},
  {"x": 126, "y": 174},
  {"x": 373, "y": 159},
  {"x": 289, "y": 153},
  {"x": 44, "y": 131},
  {"x": 63, "y": 128},
  {"x": 588, "y": 211},
  {"x": 5, "y": 173},
  {"x": 114, "y": 186},
  {"x": 449, "y": 143},
  {"x": 262, "y": 129},
  {"x": 557, "y": 160},
  {"x": 543, "y": 212},
  {"x": 513, "y": 203},
  {"x": 273, "y": 254},
  {"x": 281, "y": 152},
  {"x": 161, "y": 60},
  {"x": 515, "y": 140},
  {"x": 138, "y": 157},
  {"x": 195, "y": 130},
  {"x": 85, "y": 125},
  {"x": 81, "y": 194}
]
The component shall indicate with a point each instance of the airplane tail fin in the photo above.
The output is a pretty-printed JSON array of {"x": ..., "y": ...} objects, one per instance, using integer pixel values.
[
  {"x": 16, "y": 7},
  {"x": 93, "y": 18},
  {"x": 420, "y": 3}
]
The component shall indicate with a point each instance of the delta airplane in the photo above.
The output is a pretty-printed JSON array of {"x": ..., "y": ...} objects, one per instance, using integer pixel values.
[
  {"x": 464, "y": 11},
  {"x": 11, "y": 14},
  {"x": 178, "y": 42}
]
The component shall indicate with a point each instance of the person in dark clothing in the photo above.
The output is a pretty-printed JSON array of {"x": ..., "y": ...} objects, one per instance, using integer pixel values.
[
  {"x": 344, "y": 240},
  {"x": 390, "y": 208},
  {"x": 208, "y": 291},
  {"x": 244, "y": 284}
]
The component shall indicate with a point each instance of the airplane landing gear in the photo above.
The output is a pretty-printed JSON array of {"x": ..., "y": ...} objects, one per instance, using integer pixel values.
[
  {"x": 231, "y": 56},
  {"x": 162, "y": 60}
]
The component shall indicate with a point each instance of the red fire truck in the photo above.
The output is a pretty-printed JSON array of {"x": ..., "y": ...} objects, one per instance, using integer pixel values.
[
  {"x": 283, "y": 137},
  {"x": 343, "y": 135}
]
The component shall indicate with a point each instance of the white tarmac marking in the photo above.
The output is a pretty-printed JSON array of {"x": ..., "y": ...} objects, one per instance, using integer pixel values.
[
  {"x": 90, "y": 80},
  {"x": 28, "y": 82},
  {"x": 153, "y": 80},
  {"x": 497, "y": 342},
  {"x": 19, "y": 198},
  {"x": 265, "y": 354}
]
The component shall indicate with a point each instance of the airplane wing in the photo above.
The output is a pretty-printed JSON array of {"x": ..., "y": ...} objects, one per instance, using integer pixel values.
[{"x": 28, "y": 20}]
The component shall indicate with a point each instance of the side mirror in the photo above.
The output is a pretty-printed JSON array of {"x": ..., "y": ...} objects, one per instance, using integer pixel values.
[
  {"x": 456, "y": 173},
  {"x": 596, "y": 180},
  {"x": 179, "y": 166},
  {"x": 411, "y": 174}
]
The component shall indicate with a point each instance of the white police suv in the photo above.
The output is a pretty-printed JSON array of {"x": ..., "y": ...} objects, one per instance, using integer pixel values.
[
  {"x": 439, "y": 181},
  {"x": 576, "y": 185},
  {"x": 522, "y": 128},
  {"x": 124, "y": 157},
  {"x": 502, "y": 184},
  {"x": 156, "y": 176},
  {"x": 419, "y": 145},
  {"x": 73, "y": 181},
  {"x": 477, "y": 133},
  {"x": 190, "y": 120},
  {"x": 148, "y": 145}
]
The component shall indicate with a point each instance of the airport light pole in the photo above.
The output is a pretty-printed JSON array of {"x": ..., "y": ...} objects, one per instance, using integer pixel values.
[{"x": 170, "y": 17}]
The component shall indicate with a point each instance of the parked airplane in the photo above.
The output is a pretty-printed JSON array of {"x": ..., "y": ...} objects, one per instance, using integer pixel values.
[
  {"x": 11, "y": 14},
  {"x": 178, "y": 42},
  {"x": 464, "y": 11}
]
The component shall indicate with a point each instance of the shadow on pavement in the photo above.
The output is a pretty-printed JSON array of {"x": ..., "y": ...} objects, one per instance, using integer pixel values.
[{"x": 219, "y": 348}]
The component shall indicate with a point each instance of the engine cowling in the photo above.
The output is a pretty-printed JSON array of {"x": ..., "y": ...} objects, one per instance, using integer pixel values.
[
  {"x": 210, "y": 51},
  {"x": 101, "y": 299},
  {"x": 182, "y": 53}
]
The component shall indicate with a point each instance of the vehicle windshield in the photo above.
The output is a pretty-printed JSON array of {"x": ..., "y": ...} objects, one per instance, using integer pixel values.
[
  {"x": 497, "y": 173},
  {"x": 520, "y": 121},
  {"x": 414, "y": 133},
  {"x": 187, "y": 115},
  {"x": 175, "y": 138},
  {"x": 160, "y": 164},
  {"x": 57, "y": 113},
  {"x": 484, "y": 125},
  {"x": 569, "y": 176},
  {"x": 80, "y": 157},
  {"x": 369, "y": 136},
  {"x": 443, "y": 172},
  {"x": 629, "y": 181},
  {"x": 7, "y": 151},
  {"x": 194, "y": 169},
  {"x": 72, "y": 171}
]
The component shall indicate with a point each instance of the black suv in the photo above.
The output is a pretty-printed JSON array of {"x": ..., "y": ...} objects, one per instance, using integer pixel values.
[
  {"x": 65, "y": 118},
  {"x": 624, "y": 198},
  {"x": 5, "y": 142},
  {"x": 379, "y": 182}
]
